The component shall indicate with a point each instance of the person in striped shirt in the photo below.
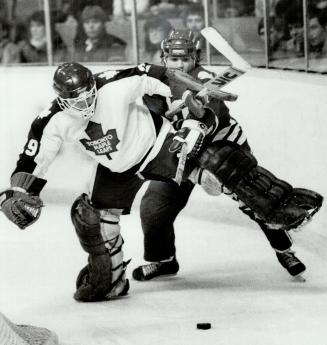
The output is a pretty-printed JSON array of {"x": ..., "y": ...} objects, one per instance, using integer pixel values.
[{"x": 162, "y": 202}]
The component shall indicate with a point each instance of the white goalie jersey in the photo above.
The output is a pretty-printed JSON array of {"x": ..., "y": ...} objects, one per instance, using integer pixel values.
[{"x": 119, "y": 134}]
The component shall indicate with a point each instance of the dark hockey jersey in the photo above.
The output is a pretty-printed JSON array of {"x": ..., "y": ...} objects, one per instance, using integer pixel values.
[{"x": 228, "y": 128}]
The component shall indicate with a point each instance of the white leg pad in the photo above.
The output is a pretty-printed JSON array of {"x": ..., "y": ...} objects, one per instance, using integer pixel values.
[{"x": 110, "y": 231}]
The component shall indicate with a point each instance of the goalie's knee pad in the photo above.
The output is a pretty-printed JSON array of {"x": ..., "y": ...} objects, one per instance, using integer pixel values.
[{"x": 99, "y": 235}]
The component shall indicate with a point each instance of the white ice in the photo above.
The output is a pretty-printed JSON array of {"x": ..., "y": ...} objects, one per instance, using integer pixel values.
[{"x": 229, "y": 276}]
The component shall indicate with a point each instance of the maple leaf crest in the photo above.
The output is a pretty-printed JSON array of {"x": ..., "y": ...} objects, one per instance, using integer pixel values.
[{"x": 100, "y": 143}]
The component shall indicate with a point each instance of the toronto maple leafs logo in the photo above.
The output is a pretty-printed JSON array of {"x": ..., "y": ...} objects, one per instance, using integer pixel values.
[{"x": 100, "y": 143}]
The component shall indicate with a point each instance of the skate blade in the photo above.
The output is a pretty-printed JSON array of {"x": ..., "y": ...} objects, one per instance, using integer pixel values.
[{"x": 299, "y": 279}]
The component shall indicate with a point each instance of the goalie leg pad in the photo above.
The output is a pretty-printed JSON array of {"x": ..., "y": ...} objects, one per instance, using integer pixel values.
[
  {"x": 266, "y": 195},
  {"x": 228, "y": 161},
  {"x": 262, "y": 191},
  {"x": 278, "y": 207},
  {"x": 99, "y": 235},
  {"x": 304, "y": 203}
]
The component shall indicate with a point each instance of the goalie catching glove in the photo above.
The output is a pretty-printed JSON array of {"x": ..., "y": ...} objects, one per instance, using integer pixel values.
[{"x": 19, "y": 204}]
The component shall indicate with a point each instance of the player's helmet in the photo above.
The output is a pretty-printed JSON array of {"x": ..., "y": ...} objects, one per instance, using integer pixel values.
[
  {"x": 75, "y": 87},
  {"x": 181, "y": 43}
]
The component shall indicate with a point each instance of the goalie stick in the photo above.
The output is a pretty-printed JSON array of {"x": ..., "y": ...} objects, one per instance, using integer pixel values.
[
  {"x": 213, "y": 86},
  {"x": 220, "y": 44}
]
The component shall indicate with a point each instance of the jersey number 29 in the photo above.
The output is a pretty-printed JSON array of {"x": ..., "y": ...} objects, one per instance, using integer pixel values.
[{"x": 31, "y": 147}]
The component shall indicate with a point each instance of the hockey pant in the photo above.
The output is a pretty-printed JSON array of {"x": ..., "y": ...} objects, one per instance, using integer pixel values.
[{"x": 160, "y": 205}]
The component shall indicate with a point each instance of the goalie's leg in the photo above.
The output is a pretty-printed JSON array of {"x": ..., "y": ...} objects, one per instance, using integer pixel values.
[
  {"x": 272, "y": 200},
  {"x": 265, "y": 185},
  {"x": 96, "y": 220},
  {"x": 99, "y": 235}
]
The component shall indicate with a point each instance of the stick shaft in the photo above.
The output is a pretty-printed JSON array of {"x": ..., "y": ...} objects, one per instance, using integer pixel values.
[{"x": 221, "y": 45}]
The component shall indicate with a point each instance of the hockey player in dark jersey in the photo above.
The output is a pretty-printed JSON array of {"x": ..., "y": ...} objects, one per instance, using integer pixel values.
[{"x": 162, "y": 202}]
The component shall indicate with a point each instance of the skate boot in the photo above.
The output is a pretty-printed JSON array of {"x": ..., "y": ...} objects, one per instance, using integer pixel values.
[
  {"x": 290, "y": 262},
  {"x": 156, "y": 269}
]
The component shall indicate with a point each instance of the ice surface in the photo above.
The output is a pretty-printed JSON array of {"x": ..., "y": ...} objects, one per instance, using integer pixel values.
[{"x": 229, "y": 276}]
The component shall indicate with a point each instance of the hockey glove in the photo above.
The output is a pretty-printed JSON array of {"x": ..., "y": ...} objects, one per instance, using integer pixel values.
[
  {"x": 195, "y": 105},
  {"x": 21, "y": 203},
  {"x": 21, "y": 208},
  {"x": 199, "y": 109},
  {"x": 191, "y": 134}
]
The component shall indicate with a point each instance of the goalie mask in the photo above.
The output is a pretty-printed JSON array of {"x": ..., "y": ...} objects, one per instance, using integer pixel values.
[
  {"x": 76, "y": 90},
  {"x": 181, "y": 43}
]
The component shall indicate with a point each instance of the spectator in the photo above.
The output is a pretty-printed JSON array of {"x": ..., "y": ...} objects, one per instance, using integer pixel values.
[
  {"x": 278, "y": 37},
  {"x": 34, "y": 48},
  {"x": 93, "y": 43},
  {"x": 156, "y": 29},
  {"x": 320, "y": 4},
  {"x": 317, "y": 33},
  {"x": 165, "y": 8},
  {"x": 9, "y": 52},
  {"x": 121, "y": 9},
  {"x": 260, "y": 7},
  {"x": 281, "y": 7},
  {"x": 239, "y": 8},
  {"x": 4, "y": 9},
  {"x": 194, "y": 18},
  {"x": 75, "y": 7},
  {"x": 294, "y": 22}
]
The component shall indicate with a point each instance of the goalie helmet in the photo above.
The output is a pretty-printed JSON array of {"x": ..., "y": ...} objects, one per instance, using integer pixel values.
[
  {"x": 75, "y": 87},
  {"x": 181, "y": 43}
]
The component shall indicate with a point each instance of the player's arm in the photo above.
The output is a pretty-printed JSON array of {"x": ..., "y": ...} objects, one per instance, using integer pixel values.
[
  {"x": 130, "y": 89},
  {"x": 21, "y": 202},
  {"x": 216, "y": 105},
  {"x": 154, "y": 71},
  {"x": 200, "y": 122}
]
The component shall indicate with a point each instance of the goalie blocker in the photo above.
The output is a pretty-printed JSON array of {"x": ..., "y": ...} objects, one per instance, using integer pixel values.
[{"x": 272, "y": 200}]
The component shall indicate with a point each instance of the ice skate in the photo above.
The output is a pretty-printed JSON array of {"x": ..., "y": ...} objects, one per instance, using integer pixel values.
[
  {"x": 292, "y": 264},
  {"x": 156, "y": 269}
]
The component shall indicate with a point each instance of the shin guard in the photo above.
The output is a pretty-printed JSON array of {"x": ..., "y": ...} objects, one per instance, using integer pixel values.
[{"x": 99, "y": 234}]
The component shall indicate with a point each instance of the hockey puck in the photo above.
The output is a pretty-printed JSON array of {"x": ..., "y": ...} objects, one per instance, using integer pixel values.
[{"x": 203, "y": 325}]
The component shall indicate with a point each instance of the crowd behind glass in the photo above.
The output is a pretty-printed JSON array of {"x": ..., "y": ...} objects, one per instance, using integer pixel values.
[{"x": 268, "y": 33}]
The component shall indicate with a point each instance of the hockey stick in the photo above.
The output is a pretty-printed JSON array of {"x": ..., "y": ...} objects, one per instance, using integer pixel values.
[
  {"x": 213, "y": 86},
  {"x": 202, "y": 89},
  {"x": 238, "y": 68},
  {"x": 220, "y": 44},
  {"x": 181, "y": 165}
]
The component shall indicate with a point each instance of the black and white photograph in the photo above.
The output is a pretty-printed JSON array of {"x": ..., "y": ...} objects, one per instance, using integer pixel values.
[{"x": 163, "y": 172}]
